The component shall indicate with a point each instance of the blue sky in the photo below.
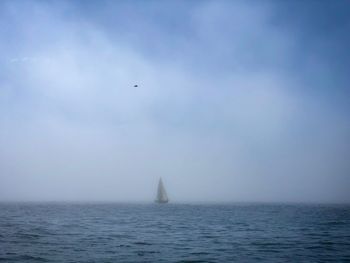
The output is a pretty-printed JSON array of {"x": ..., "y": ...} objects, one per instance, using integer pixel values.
[{"x": 237, "y": 100}]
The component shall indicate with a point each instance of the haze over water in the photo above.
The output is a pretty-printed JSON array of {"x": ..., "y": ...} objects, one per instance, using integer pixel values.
[
  {"x": 241, "y": 107},
  {"x": 225, "y": 100}
]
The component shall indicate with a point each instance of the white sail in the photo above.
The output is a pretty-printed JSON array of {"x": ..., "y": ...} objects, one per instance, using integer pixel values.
[{"x": 162, "y": 196}]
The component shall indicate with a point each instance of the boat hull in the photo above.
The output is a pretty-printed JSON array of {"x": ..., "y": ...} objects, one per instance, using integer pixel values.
[{"x": 161, "y": 202}]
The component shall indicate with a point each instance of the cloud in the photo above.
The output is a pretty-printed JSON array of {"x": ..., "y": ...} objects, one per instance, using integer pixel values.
[{"x": 218, "y": 113}]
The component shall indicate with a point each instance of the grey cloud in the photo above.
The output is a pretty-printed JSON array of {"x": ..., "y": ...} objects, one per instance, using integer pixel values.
[{"x": 219, "y": 121}]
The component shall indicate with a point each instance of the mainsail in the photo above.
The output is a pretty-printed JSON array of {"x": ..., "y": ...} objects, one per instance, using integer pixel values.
[{"x": 162, "y": 197}]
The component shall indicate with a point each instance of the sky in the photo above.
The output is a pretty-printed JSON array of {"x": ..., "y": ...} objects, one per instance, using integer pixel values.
[{"x": 237, "y": 101}]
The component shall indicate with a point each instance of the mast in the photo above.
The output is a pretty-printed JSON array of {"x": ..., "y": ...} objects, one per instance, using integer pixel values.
[{"x": 162, "y": 196}]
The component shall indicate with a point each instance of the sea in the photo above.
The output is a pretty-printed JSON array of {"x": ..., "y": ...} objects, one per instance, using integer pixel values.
[{"x": 115, "y": 232}]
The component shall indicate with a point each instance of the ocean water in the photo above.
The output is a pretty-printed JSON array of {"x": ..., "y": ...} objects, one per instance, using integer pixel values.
[{"x": 53, "y": 232}]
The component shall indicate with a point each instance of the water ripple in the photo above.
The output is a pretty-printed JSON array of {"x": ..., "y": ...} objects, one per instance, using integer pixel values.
[{"x": 173, "y": 233}]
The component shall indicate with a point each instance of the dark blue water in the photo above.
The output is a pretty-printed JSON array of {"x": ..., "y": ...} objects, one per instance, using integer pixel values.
[{"x": 174, "y": 233}]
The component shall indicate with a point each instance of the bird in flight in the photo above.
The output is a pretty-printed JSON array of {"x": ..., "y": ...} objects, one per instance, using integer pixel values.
[{"x": 135, "y": 86}]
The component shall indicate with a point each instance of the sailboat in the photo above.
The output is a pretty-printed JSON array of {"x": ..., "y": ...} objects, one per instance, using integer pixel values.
[{"x": 162, "y": 197}]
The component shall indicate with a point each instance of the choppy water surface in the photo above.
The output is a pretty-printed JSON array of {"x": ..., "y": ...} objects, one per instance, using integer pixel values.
[{"x": 174, "y": 233}]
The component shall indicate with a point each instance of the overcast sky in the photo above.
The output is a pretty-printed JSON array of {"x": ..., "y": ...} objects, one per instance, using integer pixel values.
[{"x": 236, "y": 100}]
